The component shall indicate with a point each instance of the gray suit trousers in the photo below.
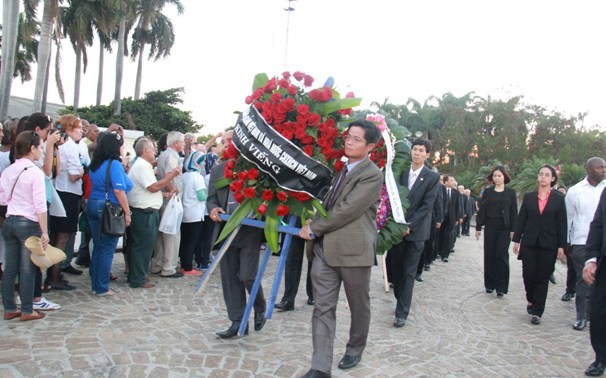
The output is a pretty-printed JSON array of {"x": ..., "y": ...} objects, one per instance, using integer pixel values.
[{"x": 326, "y": 281}]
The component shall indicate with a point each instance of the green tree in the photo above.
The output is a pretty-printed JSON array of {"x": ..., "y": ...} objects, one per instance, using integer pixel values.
[
  {"x": 154, "y": 114},
  {"x": 10, "y": 22},
  {"x": 525, "y": 179}
]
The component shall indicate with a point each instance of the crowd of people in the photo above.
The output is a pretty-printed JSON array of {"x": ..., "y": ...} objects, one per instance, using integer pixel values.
[{"x": 58, "y": 177}]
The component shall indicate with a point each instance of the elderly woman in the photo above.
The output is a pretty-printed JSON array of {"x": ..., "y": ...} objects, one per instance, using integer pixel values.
[
  {"x": 22, "y": 188},
  {"x": 69, "y": 187},
  {"x": 107, "y": 160},
  {"x": 539, "y": 238},
  {"x": 194, "y": 202}
]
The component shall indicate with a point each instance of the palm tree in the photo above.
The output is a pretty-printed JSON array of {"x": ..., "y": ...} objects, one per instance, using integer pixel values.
[
  {"x": 10, "y": 22},
  {"x": 50, "y": 14},
  {"x": 155, "y": 29}
]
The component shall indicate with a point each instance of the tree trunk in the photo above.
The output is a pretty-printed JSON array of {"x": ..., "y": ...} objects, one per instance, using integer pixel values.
[
  {"x": 119, "y": 67},
  {"x": 100, "y": 78},
  {"x": 48, "y": 16},
  {"x": 45, "y": 95},
  {"x": 139, "y": 73},
  {"x": 10, "y": 22},
  {"x": 77, "y": 77}
]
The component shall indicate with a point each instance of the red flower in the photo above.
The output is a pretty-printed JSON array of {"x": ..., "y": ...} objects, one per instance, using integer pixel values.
[
  {"x": 281, "y": 196},
  {"x": 299, "y": 75},
  {"x": 339, "y": 165},
  {"x": 308, "y": 81},
  {"x": 282, "y": 210},
  {"x": 253, "y": 174},
  {"x": 350, "y": 95},
  {"x": 302, "y": 196},
  {"x": 230, "y": 164},
  {"x": 250, "y": 192},
  {"x": 227, "y": 173},
  {"x": 236, "y": 186},
  {"x": 286, "y": 75},
  {"x": 239, "y": 197},
  {"x": 262, "y": 209},
  {"x": 292, "y": 90},
  {"x": 267, "y": 195},
  {"x": 242, "y": 175},
  {"x": 302, "y": 109},
  {"x": 309, "y": 150}
]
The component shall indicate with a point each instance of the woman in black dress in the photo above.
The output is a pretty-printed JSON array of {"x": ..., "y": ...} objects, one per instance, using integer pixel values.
[
  {"x": 498, "y": 211},
  {"x": 540, "y": 238}
]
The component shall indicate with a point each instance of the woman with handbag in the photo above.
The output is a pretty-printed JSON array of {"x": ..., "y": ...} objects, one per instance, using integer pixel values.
[
  {"x": 539, "y": 238},
  {"x": 107, "y": 206},
  {"x": 22, "y": 188}
]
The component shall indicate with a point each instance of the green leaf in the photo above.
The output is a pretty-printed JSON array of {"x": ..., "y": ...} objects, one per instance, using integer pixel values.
[
  {"x": 318, "y": 206},
  {"x": 332, "y": 106},
  {"x": 221, "y": 183},
  {"x": 236, "y": 218},
  {"x": 260, "y": 81},
  {"x": 271, "y": 232}
]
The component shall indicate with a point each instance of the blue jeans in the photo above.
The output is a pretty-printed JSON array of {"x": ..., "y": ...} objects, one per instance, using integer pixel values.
[
  {"x": 104, "y": 247},
  {"x": 15, "y": 231}
]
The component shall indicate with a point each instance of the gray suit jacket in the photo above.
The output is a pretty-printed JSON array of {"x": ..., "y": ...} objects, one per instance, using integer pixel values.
[
  {"x": 421, "y": 198},
  {"x": 350, "y": 231}
]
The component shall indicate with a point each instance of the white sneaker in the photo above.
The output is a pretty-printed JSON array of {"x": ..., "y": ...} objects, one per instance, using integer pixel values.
[{"x": 45, "y": 305}]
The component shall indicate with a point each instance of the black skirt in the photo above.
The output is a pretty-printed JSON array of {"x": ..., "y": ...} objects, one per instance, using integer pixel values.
[{"x": 69, "y": 224}]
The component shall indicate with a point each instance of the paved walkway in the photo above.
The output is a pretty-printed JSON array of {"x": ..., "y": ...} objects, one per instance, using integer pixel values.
[{"x": 454, "y": 330}]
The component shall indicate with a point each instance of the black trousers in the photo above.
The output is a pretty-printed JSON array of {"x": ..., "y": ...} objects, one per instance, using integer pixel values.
[
  {"x": 429, "y": 250},
  {"x": 292, "y": 271},
  {"x": 466, "y": 224},
  {"x": 537, "y": 265},
  {"x": 571, "y": 275},
  {"x": 597, "y": 326},
  {"x": 496, "y": 259},
  {"x": 402, "y": 260},
  {"x": 446, "y": 239}
]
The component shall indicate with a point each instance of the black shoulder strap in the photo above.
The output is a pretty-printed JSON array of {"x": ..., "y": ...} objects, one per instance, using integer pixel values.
[
  {"x": 109, "y": 164},
  {"x": 15, "y": 184}
]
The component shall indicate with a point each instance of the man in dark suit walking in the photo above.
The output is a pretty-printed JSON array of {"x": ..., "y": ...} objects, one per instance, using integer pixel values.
[
  {"x": 594, "y": 274},
  {"x": 241, "y": 261},
  {"x": 452, "y": 216},
  {"x": 344, "y": 251},
  {"x": 403, "y": 258}
]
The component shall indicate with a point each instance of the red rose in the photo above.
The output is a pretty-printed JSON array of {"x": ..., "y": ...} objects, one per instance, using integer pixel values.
[
  {"x": 275, "y": 97},
  {"x": 239, "y": 197},
  {"x": 308, "y": 81},
  {"x": 250, "y": 192},
  {"x": 286, "y": 75},
  {"x": 299, "y": 75},
  {"x": 253, "y": 174},
  {"x": 242, "y": 175},
  {"x": 236, "y": 186},
  {"x": 267, "y": 195},
  {"x": 350, "y": 95},
  {"x": 248, "y": 100},
  {"x": 227, "y": 173},
  {"x": 292, "y": 90},
  {"x": 302, "y": 109},
  {"x": 230, "y": 164},
  {"x": 302, "y": 196},
  {"x": 281, "y": 196},
  {"x": 309, "y": 150},
  {"x": 339, "y": 165},
  {"x": 262, "y": 209},
  {"x": 282, "y": 210},
  {"x": 314, "y": 119}
]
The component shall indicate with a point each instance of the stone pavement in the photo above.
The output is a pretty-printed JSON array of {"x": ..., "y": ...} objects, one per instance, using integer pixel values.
[{"x": 455, "y": 330}]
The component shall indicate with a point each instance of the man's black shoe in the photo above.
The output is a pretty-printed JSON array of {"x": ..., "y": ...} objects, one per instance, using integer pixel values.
[
  {"x": 316, "y": 374},
  {"x": 399, "y": 322},
  {"x": 285, "y": 306},
  {"x": 419, "y": 278},
  {"x": 260, "y": 320},
  {"x": 231, "y": 331},
  {"x": 579, "y": 325},
  {"x": 552, "y": 279},
  {"x": 71, "y": 270},
  {"x": 596, "y": 369},
  {"x": 567, "y": 297},
  {"x": 347, "y": 362},
  {"x": 444, "y": 259},
  {"x": 310, "y": 301},
  {"x": 427, "y": 267}
]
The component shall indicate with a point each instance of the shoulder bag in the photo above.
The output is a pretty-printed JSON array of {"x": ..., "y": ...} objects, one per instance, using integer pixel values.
[{"x": 112, "y": 218}]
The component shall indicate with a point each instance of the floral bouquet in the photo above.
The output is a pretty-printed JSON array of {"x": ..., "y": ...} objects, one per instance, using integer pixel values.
[{"x": 309, "y": 123}]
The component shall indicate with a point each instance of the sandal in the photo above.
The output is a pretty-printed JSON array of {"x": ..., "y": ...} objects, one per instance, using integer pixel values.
[
  {"x": 11, "y": 315},
  {"x": 35, "y": 315},
  {"x": 112, "y": 277},
  {"x": 108, "y": 293}
]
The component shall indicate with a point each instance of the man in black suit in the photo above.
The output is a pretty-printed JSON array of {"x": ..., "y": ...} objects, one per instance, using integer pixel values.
[
  {"x": 430, "y": 248},
  {"x": 452, "y": 216},
  {"x": 403, "y": 258},
  {"x": 469, "y": 211},
  {"x": 241, "y": 261},
  {"x": 594, "y": 274}
]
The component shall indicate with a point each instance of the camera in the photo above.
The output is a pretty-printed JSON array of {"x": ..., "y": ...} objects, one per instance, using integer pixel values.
[{"x": 62, "y": 134}]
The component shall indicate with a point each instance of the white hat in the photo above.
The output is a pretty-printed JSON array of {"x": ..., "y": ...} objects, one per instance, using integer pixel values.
[{"x": 43, "y": 258}]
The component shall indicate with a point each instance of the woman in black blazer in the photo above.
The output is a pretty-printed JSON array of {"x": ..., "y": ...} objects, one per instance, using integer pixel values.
[
  {"x": 540, "y": 238},
  {"x": 497, "y": 213}
]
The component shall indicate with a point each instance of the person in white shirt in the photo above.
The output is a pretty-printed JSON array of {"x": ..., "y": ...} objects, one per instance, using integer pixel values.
[
  {"x": 68, "y": 184},
  {"x": 581, "y": 203},
  {"x": 193, "y": 197}
]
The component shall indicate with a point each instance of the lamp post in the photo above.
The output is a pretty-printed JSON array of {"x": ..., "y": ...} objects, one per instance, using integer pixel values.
[{"x": 288, "y": 10}]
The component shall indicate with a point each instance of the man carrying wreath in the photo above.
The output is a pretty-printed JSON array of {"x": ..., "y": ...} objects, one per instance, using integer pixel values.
[{"x": 344, "y": 250}]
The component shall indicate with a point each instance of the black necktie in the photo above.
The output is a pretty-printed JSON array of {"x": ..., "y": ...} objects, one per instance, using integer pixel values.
[{"x": 335, "y": 192}]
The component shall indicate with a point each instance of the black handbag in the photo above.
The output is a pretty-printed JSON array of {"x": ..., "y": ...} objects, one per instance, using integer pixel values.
[{"x": 112, "y": 218}]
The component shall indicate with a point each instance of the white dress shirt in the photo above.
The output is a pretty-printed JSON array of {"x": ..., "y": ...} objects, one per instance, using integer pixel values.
[
  {"x": 413, "y": 176},
  {"x": 581, "y": 203},
  {"x": 69, "y": 164}
]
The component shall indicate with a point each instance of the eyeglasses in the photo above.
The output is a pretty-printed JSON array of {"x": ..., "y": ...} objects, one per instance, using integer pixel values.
[{"x": 353, "y": 139}]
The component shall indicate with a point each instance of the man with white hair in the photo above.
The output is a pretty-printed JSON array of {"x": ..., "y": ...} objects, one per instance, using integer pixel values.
[{"x": 166, "y": 251}]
